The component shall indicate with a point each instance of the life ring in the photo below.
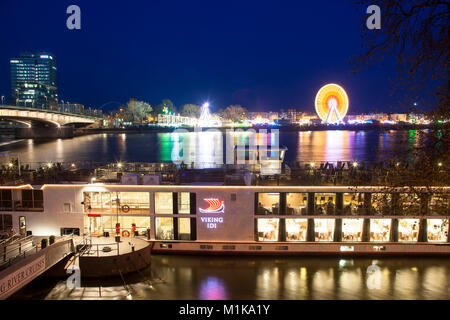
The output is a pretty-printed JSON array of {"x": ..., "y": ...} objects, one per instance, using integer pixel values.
[
  {"x": 125, "y": 233},
  {"x": 125, "y": 208}
]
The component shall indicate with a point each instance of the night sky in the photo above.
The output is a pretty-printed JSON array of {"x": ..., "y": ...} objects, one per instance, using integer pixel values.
[{"x": 264, "y": 55}]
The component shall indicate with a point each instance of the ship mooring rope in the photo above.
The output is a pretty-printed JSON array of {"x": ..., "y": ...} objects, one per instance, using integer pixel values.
[{"x": 124, "y": 283}]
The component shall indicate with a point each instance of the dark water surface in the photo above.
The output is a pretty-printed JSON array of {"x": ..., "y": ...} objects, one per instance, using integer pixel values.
[
  {"x": 209, "y": 147},
  {"x": 189, "y": 277}
]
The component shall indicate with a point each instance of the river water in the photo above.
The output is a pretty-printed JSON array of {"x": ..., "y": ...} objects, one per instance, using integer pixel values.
[
  {"x": 187, "y": 277},
  {"x": 290, "y": 278},
  {"x": 210, "y": 148}
]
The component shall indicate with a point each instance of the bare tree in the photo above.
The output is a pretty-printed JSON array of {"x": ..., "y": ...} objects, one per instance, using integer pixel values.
[{"x": 417, "y": 34}]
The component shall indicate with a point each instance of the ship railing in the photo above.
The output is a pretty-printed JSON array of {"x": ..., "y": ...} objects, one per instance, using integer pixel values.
[
  {"x": 20, "y": 250},
  {"x": 124, "y": 207},
  {"x": 10, "y": 239},
  {"x": 95, "y": 249},
  {"x": 142, "y": 231}
]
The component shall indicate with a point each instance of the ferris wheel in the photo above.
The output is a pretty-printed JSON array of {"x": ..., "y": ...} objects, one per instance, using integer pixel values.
[{"x": 332, "y": 103}]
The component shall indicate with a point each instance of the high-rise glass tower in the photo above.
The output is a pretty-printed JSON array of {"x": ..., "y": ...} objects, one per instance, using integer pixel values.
[{"x": 33, "y": 81}]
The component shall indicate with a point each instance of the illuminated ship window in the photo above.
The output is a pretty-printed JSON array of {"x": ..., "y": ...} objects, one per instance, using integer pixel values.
[
  {"x": 324, "y": 206},
  {"x": 380, "y": 230},
  {"x": 163, "y": 203},
  {"x": 324, "y": 229},
  {"x": 437, "y": 230},
  {"x": 408, "y": 229},
  {"x": 268, "y": 229},
  {"x": 296, "y": 229},
  {"x": 353, "y": 204},
  {"x": 352, "y": 229},
  {"x": 268, "y": 203},
  {"x": 296, "y": 203},
  {"x": 164, "y": 228}
]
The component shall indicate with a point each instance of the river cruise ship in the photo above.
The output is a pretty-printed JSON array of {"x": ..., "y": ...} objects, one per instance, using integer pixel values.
[{"x": 236, "y": 219}]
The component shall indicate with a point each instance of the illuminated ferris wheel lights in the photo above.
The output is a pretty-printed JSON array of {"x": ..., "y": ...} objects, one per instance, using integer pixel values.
[{"x": 331, "y": 104}]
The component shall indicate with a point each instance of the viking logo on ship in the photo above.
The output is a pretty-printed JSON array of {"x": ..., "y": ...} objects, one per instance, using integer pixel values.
[{"x": 214, "y": 206}]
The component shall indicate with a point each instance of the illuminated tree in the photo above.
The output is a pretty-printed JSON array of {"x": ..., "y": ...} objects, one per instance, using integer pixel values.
[
  {"x": 191, "y": 110},
  {"x": 166, "y": 106},
  {"x": 234, "y": 113},
  {"x": 137, "y": 111}
]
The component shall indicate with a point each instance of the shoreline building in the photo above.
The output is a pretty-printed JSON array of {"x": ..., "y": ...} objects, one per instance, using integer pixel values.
[{"x": 34, "y": 81}]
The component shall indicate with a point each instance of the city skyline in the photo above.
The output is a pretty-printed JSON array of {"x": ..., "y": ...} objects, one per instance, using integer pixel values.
[{"x": 228, "y": 64}]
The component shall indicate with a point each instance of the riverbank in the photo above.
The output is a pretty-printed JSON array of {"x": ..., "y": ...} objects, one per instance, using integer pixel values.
[{"x": 285, "y": 128}]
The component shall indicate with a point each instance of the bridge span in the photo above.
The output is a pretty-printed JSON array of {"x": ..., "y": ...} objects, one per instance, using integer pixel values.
[
  {"x": 44, "y": 123},
  {"x": 51, "y": 117}
]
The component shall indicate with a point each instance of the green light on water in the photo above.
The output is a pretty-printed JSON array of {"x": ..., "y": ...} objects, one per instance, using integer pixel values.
[{"x": 165, "y": 147}]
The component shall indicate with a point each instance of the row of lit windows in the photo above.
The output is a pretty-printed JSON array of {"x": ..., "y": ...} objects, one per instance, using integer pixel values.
[
  {"x": 266, "y": 203},
  {"x": 269, "y": 229},
  {"x": 352, "y": 203},
  {"x": 166, "y": 228},
  {"x": 139, "y": 202}
]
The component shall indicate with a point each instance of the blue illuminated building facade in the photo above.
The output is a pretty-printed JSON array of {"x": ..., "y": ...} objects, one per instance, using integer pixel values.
[{"x": 34, "y": 81}]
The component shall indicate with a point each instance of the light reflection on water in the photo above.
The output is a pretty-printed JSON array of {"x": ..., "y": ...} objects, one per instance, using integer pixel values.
[
  {"x": 186, "y": 277},
  {"x": 209, "y": 147}
]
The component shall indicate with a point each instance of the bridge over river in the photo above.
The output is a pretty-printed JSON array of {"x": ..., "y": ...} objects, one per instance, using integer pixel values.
[{"x": 39, "y": 123}]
